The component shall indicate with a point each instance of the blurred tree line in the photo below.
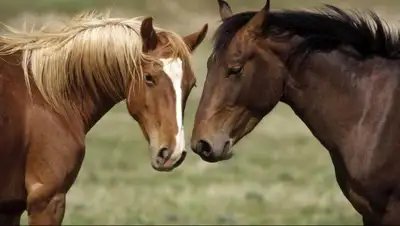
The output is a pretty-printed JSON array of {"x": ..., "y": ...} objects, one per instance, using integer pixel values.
[
  {"x": 11, "y": 8},
  {"x": 179, "y": 15}
]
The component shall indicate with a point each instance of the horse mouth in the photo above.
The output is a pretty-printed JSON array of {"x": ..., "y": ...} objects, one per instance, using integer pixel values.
[
  {"x": 180, "y": 160},
  {"x": 170, "y": 164},
  {"x": 221, "y": 158},
  {"x": 227, "y": 156},
  {"x": 227, "y": 151}
]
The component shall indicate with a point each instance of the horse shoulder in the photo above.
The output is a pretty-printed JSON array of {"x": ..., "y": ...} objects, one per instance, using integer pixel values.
[{"x": 56, "y": 147}]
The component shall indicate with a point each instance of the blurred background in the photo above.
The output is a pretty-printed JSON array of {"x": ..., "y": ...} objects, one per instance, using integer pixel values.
[{"x": 279, "y": 175}]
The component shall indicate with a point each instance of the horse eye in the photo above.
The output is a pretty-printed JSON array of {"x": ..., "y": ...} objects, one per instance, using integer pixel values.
[
  {"x": 235, "y": 70},
  {"x": 149, "y": 79}
]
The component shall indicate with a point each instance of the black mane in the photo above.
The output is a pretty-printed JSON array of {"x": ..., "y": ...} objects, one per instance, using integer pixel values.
[{"x": 324, "y": 30}]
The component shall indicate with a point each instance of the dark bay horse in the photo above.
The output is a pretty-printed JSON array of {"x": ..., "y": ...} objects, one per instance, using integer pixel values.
[
  {"x": 339, "y": 72},
  {"x": 55, "y": 84}
]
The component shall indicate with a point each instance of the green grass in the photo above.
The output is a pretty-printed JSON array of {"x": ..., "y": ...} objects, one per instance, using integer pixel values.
[{"x": 280, "y": 174}]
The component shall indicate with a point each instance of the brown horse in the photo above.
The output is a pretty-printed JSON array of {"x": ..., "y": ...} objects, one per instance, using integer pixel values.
[
  {"x": 339, "y": 72},
  {"x": 55, "y": 84}
]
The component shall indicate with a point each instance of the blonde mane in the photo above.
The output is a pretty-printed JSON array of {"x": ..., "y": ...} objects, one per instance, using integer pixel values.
[{"x": 91, "y": 51}]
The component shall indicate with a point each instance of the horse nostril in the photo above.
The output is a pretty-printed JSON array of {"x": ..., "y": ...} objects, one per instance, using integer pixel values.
[
  {"x": 204, "y": 148},
  {"x": 162, "y": 156}
]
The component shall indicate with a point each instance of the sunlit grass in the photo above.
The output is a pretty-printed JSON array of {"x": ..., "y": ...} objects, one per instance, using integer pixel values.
[{"x": 283, "y": 177}]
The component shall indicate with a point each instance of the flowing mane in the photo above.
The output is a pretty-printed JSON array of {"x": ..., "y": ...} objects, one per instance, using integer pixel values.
[
  {"x": 91, "y": 51},
  {"x": 324, "y": 30}
]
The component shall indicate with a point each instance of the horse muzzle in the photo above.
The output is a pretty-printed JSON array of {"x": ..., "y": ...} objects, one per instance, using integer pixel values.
[
  {"x": 165, "y": 160},
  {"x": 219, "y": 150}
]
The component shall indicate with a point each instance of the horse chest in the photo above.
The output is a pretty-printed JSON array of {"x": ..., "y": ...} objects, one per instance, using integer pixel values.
[
  {"x": 367, "y": 189},
  {"x": 4, "y": 118},
  {"x": 12, "y": 180},
  {"x": 12, "y": 154},
  {"x": 7, "y": 102}
]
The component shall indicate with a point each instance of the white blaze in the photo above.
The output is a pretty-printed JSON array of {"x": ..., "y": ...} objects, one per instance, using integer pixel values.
[{"x": 173, "y": 68}]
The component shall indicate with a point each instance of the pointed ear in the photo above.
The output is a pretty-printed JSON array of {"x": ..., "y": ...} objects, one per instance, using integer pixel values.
[
  {"x": 194, "y": 40},
  {"x": 149, "y": 35},
  {"x": 225, "y": 10},
  {"x": 254, "y": 26}
]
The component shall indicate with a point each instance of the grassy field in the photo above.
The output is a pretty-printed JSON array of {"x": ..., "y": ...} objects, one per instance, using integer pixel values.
[{"x": 279, "y": 175}]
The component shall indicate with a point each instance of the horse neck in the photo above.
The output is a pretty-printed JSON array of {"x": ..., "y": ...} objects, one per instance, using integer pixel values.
[
  {"x": 88, "y": 108},
  {"x": 334, "y": 97},
  {"x": 92, "y": 109}
]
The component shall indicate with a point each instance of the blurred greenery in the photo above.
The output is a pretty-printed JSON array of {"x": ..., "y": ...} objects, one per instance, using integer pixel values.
[{"x": 279, "y": 175}]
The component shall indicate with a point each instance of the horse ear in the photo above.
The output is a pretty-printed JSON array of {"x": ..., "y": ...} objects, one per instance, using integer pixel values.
[
  {"x": 254, "y": 26},
  {"x": 193, "y": 40},
  {"x": 225, "y": 10},
  {"x": 148, "y": 34}
]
